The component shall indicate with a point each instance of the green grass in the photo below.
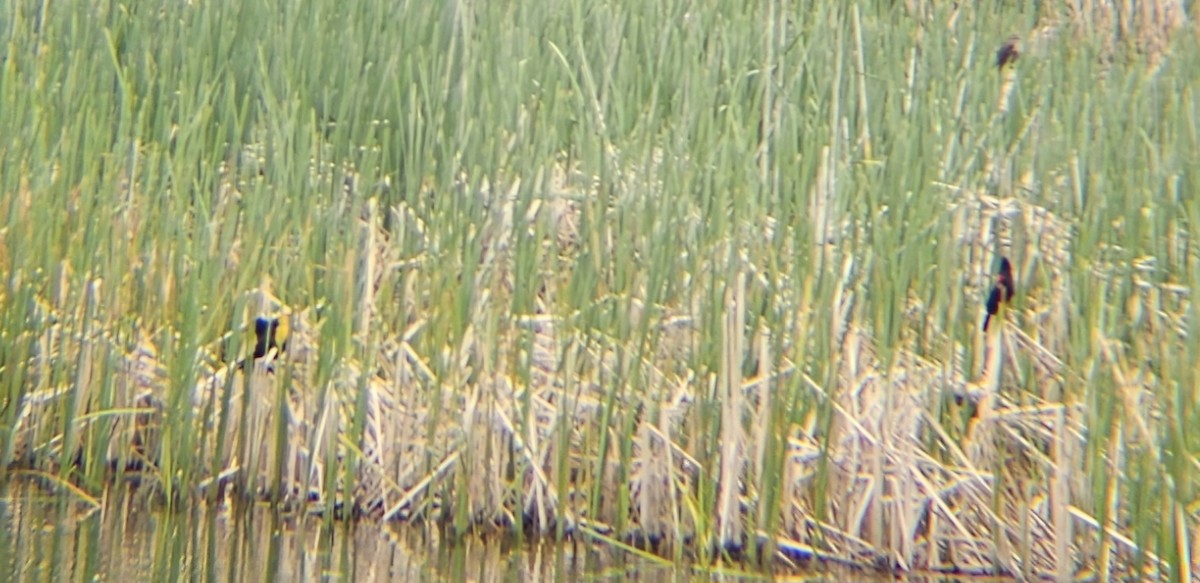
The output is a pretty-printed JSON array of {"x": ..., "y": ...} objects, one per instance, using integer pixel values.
[{"x": 616, "y": 169}]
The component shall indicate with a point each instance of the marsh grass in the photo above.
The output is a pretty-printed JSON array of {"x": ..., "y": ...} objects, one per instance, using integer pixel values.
[{"x": 703, "y": 280}]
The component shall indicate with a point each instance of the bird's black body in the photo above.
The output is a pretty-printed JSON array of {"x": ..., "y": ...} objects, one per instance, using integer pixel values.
[
  {"x": 269, "y": 334},
  {"x": 1009, "y": 51},
  {"x": 1001, "y": 293}
]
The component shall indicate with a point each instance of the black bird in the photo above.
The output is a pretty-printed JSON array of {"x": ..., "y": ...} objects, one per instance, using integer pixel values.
[
  {"x": 1009, "y": 51},
  {"x": 1002, "y": 292},
  {"x": 268, "y": 333}
]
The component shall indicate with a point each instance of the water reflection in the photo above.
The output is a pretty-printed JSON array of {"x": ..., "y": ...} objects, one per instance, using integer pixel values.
[
  {"x": 53, "y": 538},
  {"x": 58, "y": 538}
]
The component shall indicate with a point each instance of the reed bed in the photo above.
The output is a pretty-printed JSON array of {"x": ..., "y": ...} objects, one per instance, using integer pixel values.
[{"x": 698, "y": 280}]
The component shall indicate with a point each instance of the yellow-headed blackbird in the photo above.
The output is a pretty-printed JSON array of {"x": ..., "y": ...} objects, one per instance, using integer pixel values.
[
  {"x": 1002, "y": 292},
  {"x": 268, "y": 333},
  {"x": 1009, "y": 51}
]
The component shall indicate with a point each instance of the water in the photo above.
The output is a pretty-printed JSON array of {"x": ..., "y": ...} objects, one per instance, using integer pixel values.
[
  {"x": 60, "y": 537},
  {"x": 123, "y": 538}
]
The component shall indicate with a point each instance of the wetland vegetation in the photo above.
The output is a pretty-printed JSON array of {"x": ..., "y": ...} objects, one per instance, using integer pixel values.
[{"x": 702, "y": 282}]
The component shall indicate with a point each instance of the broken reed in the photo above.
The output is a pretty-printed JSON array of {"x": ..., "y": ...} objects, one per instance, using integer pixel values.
[{"x": 705, "y": 220}]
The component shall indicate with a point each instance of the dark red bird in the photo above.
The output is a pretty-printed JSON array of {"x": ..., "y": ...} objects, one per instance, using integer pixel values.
[
  {"x": 1002, "y": 292},
  {"x": 1009, "y": 51}
]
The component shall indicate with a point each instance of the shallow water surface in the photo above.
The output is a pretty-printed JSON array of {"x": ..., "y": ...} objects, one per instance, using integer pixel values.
[
  {"x": 61, "y": 538},
  {"x": 58, "y": 538}
]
